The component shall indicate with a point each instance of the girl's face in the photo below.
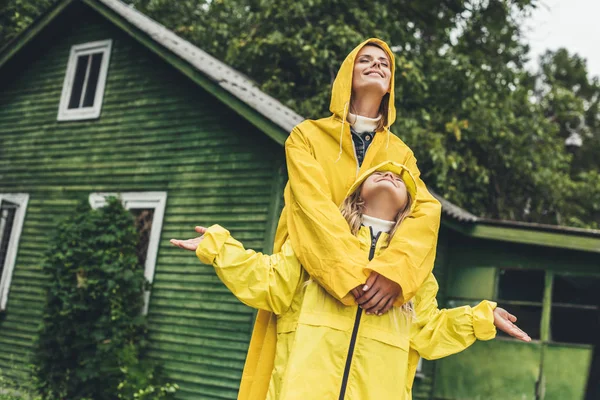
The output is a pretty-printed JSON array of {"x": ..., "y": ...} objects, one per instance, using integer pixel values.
[
  {"x": 385, "y": 186},
  {"x": 372, "y": 70}
]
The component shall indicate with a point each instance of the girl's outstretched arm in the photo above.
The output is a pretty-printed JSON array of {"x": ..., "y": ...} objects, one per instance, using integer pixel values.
[
  {"x": 262, "y": 281},
  {"x": 439, "y": 333}
]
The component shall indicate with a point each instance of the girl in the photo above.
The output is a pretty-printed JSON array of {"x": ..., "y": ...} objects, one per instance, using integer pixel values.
[{"x": 325, "y": 350}]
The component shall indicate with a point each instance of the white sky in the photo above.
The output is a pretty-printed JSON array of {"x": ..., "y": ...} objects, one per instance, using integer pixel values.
[{"x": 573, "y": 24}]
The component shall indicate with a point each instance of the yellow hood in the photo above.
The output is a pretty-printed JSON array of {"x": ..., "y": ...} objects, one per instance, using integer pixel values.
[
  {"x": 396, "y": 168},
  {"x": 342, "y": 86}
]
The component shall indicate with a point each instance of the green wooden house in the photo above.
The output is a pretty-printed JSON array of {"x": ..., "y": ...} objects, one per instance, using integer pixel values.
[{"x": 97, "y": 99}]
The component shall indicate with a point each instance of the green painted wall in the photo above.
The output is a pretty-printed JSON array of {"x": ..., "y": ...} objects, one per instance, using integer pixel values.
[
  {"x": 495, "y": 370},
  {"x": 158, "y": 132}
]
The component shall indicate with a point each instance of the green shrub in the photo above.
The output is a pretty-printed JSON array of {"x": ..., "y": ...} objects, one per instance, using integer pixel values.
[{"x": 93, "y": 333}]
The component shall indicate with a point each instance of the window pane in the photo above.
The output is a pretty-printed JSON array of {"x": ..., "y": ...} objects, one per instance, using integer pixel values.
[
  {"x": 583, "y": 290},
  {"x": 521, "y": 285},
  {"x": 7, "y": 217},
  {"x": 90, "y": 91},
  {"x": 574, "y": 325},
  {"x": 529, "y": 319},
  {"x": 82, "y": 62},
  {"x": 143, "y": 224}
]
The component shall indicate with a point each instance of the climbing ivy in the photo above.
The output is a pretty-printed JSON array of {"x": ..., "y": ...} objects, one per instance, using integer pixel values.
[{"x": 93, "y": 335}]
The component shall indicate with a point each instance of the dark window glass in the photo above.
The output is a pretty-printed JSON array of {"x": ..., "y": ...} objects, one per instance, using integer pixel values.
[
  {"x": 575, "y": 325},
  {"x": 7, "y": 217},
  {"x": 575, "y": 315},
  {"x": 143, "y": 223},
  {"x": 521, "y": 285},
  {"x": 529, "y": 319},
  {"x": 78, "y": 80},
  {"x": 90, "y": 91},
  {"x": 582, "y": 290}
]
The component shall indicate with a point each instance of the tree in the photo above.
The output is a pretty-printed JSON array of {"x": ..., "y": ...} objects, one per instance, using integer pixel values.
[
  {"x": 486, "y": 136},
  {"x": 16, "y": 15}
]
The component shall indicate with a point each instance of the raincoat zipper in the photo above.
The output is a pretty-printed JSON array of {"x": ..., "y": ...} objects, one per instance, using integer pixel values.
[{"x": 359, "y": 312}]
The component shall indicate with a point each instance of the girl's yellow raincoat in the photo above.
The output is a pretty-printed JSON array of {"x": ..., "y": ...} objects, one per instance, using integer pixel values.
[{"x": 326, "y": 350}]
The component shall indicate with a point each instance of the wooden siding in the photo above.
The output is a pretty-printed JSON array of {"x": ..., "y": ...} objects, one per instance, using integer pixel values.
[{"x": 157, "y": 132}]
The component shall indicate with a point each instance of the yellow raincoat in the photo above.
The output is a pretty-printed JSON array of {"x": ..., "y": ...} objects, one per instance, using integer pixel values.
[
  {"x": 325, "y": 350},
  {"x": 322, "y": 164}
]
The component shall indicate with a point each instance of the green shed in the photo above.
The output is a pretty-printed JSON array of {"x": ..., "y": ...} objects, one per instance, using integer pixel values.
[{"x": 96, "y": 98}]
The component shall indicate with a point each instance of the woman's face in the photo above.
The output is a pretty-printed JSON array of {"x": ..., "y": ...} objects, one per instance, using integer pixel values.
[
  {"x": 385, "y": 186},
  {"x": 372, "y": 70}
]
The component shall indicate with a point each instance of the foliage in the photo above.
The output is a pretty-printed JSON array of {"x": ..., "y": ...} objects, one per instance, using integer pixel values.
[
  {"x": 16, "y": 15},
  {"x": 466, "y": 104},
  {"x": 93, "y": 334},
  {"x": 489, "y": 134},
  {"x": 16, "y": 390}
]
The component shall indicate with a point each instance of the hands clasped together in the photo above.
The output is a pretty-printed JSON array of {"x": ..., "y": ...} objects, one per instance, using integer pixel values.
[{"x": 378, "y": 294}]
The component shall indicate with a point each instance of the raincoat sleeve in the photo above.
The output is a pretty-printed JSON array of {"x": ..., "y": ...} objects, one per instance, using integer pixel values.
[
  {"x": 410, "y": 256},
  {"x": 267, "y": 282},
  {"x": 439, "y": 333},
  {"x": 319, "y": 234}
]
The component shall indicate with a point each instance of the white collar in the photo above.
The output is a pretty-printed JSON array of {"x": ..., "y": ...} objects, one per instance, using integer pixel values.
[
  {"x": 378, "y": 225},
  {"x": 363, "y": 124}
]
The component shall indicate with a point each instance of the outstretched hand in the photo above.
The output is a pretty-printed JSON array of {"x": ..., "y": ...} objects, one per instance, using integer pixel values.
[
  {"x": 190, "y": 244},
  {"x": 377, "y": 295},
  {"x": 503, "y": 320}
]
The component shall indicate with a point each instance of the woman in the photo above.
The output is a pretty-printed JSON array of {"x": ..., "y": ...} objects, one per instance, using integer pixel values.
[
  {"x": 324, "y": 157},
  {"x": 326, "y": 350}
]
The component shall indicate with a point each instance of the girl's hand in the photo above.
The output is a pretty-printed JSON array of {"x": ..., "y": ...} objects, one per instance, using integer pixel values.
[
  {"x": 379, "y": 294},
  {"x": 190, "y": 244},
  {"x": 503, "y": 320}
]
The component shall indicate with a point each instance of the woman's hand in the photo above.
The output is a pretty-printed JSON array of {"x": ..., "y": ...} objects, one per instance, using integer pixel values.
[
  {"x": 378, "y": 294},
  {"x": 503, "y": 320},
  {"x": 190, "y": 244}
]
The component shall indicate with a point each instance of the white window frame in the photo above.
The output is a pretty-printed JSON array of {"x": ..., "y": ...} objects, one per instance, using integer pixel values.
[
  {"x": 66, "y": 114},
  {"x": 21, "y": 200},
  {"x": 146, "y": 200}
]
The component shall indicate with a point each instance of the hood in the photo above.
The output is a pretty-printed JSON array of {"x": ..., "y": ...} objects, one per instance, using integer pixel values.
[
  {"x": 342, "y": 86},
  {"x": 396, "y": 168}
]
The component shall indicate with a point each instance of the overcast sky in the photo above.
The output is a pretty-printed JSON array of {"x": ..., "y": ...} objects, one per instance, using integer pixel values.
[{"x": 573, "y": 24}]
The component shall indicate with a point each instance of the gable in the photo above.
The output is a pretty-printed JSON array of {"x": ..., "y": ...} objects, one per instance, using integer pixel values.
[{"x": 225, "y": 83}]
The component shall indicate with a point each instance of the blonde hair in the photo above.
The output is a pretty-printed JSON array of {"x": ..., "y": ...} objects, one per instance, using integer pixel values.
[
  {"x": 352, "y": 209},
  {"x": 353, "y": 206}
]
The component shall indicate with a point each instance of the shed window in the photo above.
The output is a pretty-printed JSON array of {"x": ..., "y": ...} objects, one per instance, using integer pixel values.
[
  {"x": 12, "y": 215},
  {"x": 83, "y": 87},
  {"x": 575, "y": 314},
  {"x": 521, "y": 292},
  {"x": 148, "y": 209}
]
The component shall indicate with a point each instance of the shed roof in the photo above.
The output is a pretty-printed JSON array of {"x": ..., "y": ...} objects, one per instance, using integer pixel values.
[{"x": 242, "y": 94}]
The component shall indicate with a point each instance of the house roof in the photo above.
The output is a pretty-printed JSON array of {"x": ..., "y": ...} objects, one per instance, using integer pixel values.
[
  {"x": 277, "y": 120},
  {"x": 226, "y": 77},
  {"x": 216, "y": 75},
  {"x": 519, "y": 232}
]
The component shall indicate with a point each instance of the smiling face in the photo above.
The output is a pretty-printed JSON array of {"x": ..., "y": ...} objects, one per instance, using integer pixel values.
[
  {"x": 384, "y": 190},
  {"x": 372, "y": 70}
]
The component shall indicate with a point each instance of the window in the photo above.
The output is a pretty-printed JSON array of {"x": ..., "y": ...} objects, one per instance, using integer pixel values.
[
  {"x": 148, "y": 209},
  {"x": 12, "y": 215},
  {"x": 574, "y": 316},
  {"x": 83, "y": 87},
  {"x": 521, "y": 292}
]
